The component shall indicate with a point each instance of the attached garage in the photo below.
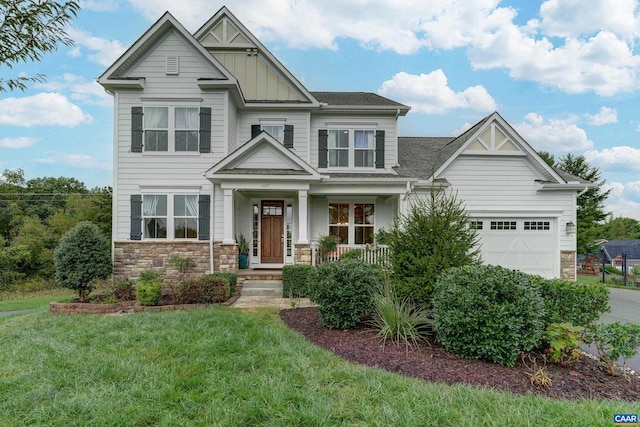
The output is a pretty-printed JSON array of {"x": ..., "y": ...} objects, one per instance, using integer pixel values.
[{"x": 526, "y": 244}]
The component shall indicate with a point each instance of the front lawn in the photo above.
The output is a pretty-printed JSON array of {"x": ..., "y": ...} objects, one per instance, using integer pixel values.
[{"x": 222, "y": 366}]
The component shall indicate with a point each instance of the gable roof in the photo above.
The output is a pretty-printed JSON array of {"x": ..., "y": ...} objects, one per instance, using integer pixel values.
[
  {"x": 249, "y": 44},
  {"x": 287, "y": 163},
  {"x": 114, "y": 76},
  {"x": 614, "y": 248}
]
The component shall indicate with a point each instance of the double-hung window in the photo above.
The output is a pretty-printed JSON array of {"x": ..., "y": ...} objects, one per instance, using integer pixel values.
[
  {"x": 177, "y": 213},
  {"x": 352, "y": 223},
  {"x": 171, "y": 129},
  {"x": 185, "y": 216},
  {"x": 154, "y": 212},
  {"x": 351, "y": 148},
  {"x": 276, "y": 131}
]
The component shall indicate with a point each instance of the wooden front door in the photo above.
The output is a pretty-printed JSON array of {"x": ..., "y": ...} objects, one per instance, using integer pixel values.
[{"x": 272, "y": 235}]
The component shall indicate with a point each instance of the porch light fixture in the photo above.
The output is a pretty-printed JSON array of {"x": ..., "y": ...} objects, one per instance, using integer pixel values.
[{"x": 571, "y": 227}]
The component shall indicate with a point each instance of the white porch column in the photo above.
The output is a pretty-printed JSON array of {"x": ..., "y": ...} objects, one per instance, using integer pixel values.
[
  {"x": 227, "y": 236},
  {"x": 303, "y": 208}
]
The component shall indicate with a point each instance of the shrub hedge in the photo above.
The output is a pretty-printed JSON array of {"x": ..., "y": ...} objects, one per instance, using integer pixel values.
[
  {"x": 297, "y": 279},
  {"x": 487, "y": 312},
  {"x": 231, "y": 278},
  {"x": 344, "y": 291},
  {"x": 208, "y": 289},
  {"x": 148, "y": 291},
  {"x": 572, "y": 302}
]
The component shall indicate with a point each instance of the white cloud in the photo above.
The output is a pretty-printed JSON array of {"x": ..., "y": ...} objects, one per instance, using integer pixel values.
[
  {"x": 86, "y": 92},
  {"x": 83, "y": 161},
  {"x": 43, "y": 109},
  {"x": 615, "y": 158},
  {"x": 553, "y": 135},
  {"x": 105, "y": 52},
  {"x": 20, "y": 142},
  {"x": 624, "y": 199},
  {"x": 99, "y": 5},
  {"x": 604, "y": 117},
  {"x": 431, "y": 94},
  {"x": 457, "y": 132}
]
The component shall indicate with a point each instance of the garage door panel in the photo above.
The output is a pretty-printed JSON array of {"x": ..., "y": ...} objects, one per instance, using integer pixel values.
[{"x": 530, "y": 250}]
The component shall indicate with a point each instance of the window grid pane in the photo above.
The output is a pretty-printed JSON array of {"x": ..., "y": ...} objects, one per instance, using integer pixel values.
[
  {"x": 503, "y": 225},
  {"x": 339, "y": 222},
  {"x": 536, "y": 225},
  {"x": 476, "y": 225},
  {"x": 276, "y": 131},
  {"x": 185, "y": 213}
]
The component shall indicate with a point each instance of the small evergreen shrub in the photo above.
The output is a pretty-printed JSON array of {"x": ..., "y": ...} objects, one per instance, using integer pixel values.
[
  {"x": 296, "y": 280},
  {"x": 230, "y": 277},
  {"x": 487, "y": 312},
  {"x": 208, "y": 289},
  {"x": 82, "y": 257},
  {"x": 149, "y": 287},
  {"x": 344, "y": 292},
  {"x": 572, "y": 302}
]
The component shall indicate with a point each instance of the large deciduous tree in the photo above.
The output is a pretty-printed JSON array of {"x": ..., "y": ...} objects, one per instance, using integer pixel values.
[
  {"x": 28, "y": 30},
  {"x": 620, "y": 228},
  {"x": 591, "y": 210}
]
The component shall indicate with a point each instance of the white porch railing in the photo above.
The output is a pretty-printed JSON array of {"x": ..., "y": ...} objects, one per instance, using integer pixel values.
[{"x": 371, "y": 254}]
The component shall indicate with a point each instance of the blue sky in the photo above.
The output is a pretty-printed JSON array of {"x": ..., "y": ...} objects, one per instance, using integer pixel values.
[{"x": 564, "y": 73}]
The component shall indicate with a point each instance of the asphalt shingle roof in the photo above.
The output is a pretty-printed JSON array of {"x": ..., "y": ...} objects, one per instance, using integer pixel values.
[
  {"x": 617, "y": 247},
  {"x": 356, "y": 99}
]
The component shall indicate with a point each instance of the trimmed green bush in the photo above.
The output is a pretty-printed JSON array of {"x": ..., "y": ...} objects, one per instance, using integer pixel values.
[
  {"x": 353, "y": 254},
  {"x": 572, "y": 302},
  {"x": 230, "y": 277},
  {"x": 82, "y": 257},
  {"x": 344, "y": 292},
  {"x": 208, "y": 289},
  {"x": 433, "y": 236},
  {"x": 296, "y": 280},
  {"x": 148, "y": 291},
  {"x": 123, "y": 290},
  {"x": 487, "y": 312}
]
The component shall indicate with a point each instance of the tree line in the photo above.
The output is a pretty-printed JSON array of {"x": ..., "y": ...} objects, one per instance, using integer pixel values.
[{"x": 34, "y": 215}]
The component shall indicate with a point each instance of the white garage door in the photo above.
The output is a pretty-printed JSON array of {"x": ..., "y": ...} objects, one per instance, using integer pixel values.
[{"x": 526, "y": 244}]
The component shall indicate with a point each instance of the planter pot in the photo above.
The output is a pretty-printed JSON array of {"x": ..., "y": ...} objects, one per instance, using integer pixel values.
[{"x": 243, "y": 261}]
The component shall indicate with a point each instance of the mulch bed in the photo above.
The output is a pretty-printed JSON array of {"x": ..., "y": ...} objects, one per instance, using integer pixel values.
[{"x": 584, "y": 378}]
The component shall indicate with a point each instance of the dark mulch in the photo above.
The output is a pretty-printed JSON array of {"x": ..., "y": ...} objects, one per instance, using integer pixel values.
[{"x": 581, "y": 379}]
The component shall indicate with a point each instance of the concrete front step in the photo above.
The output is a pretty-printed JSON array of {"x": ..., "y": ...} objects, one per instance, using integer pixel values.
[{"x": 262, "y": 288}]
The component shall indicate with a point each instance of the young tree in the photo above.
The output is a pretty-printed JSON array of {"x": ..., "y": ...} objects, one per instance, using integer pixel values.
[
  {"x": 433, "y": 236},
  {"x": 28, "y": 30},
  {"x": 591, "y": 210},
  {"x": 82, "y": 257}
]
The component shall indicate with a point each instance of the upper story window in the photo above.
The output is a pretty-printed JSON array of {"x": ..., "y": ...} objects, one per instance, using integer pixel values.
[
  {"x": 276, "y": 131},
  {"x": 351, "y": 148},
  {"x": 171, "y": 128},
  {"x": 163, "y": 129}
]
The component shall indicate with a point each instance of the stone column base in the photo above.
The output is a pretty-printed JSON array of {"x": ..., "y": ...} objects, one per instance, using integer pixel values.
[
  {"x": 225, "y": 257},
  {"x": 568, "y": 265},
  {"x": 302, "y": 254}
]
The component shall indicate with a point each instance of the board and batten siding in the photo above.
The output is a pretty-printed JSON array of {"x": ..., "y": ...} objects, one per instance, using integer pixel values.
[
  {"x": 296, "y": 118},
  {"x": 503, "y": 185},
  {"x": 386, "y": 123}
]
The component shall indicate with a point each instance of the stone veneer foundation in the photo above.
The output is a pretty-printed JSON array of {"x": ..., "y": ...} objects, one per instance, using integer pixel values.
[
  {"x": 302, "y": 254},
  {"x": 133, "y": 257},
  {"x": 568, "y": 265},
  {"x": 225, "y": 257}
]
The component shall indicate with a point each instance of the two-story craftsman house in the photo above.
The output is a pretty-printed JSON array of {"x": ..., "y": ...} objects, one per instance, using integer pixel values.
[{"x": 214, "y": 138}]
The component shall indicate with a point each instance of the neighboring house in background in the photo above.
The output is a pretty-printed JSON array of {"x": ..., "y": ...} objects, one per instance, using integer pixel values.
[
  {"x": 614, "y": 250},
  {"x": 215, "y": 138}
]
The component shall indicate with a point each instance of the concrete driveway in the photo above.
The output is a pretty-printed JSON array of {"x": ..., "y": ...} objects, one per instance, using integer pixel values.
[{"x": 625, "y": 307}]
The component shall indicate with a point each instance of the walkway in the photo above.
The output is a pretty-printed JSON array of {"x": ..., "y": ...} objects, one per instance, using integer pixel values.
[{"x": 266, "y": 293}]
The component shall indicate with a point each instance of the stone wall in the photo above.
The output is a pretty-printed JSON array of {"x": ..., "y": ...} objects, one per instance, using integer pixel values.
[
  {"x": 302, "y": 254},
  {"x": 568, "y": 265},
  {"x": 225, "y": 257},
  {"x": 133, "y": 257}
]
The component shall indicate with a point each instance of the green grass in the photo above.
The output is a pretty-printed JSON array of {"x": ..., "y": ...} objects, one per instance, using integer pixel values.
[
  {"x": 222, "y": 366},
  {"x": 608, "y": 281}
]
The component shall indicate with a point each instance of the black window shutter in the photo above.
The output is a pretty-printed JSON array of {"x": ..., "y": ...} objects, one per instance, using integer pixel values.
[
  {"x": 323, "y": 136},
  {"x": 204, "y": 203},
  {"x": 205, "y": 130},
  {"x": 288, "y": 136},
  {"x": 255, "y": 130},
  {"x": 380, "y": 149},
  {"x": 136, "y": 129},
  {"x": 136, "y": 217}
]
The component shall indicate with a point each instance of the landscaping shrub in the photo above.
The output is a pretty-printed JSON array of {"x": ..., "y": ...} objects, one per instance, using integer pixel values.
[
  {"x": 433, "y": 236},
  {"x": 82, "y": 257},
  {"x": 123, "y": 290},
  {"x": 232, "y": 278},
  {"x": 296, "y": 280},
  {"x": 208, "y": 289},
  {"x": 614, "y": 340},
  {"x": 564, "y": 342},
  {"x": 149, "y": 287},
  {"x": 572, "y": 302},
  {"x": 353, "y": 254},
  {"x": 344, "y": 292},
  {"x": 398, "y": 320},
  {"x": 487, "y": 312}
]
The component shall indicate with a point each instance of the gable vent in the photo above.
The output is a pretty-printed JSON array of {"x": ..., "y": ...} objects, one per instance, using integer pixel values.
[{"x": 172, "y": 64}]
